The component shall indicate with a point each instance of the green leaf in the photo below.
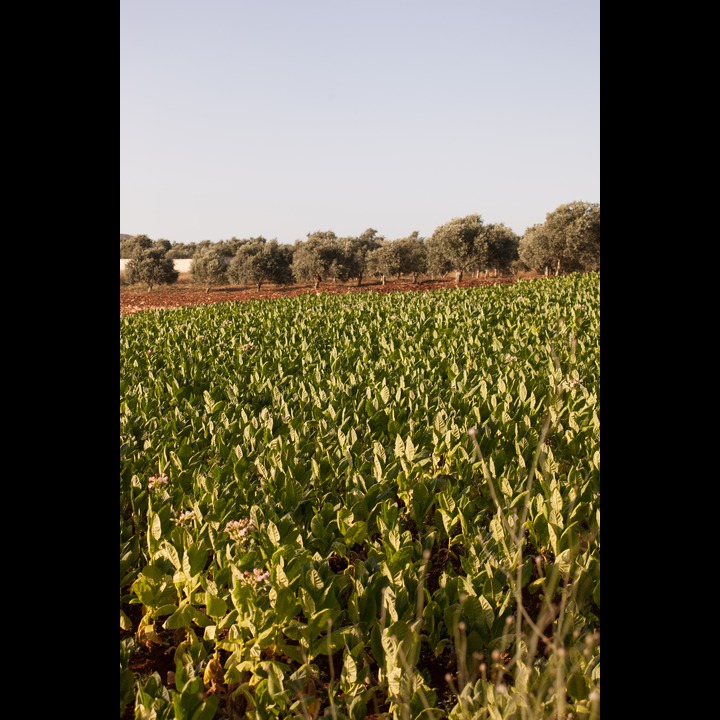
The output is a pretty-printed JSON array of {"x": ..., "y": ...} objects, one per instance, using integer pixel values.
[
  {"x": 556, "y": 503},
  {"x": 349, "y": 672},
  {"x": 215, "y": 606},
  {"x": 317, "y": 526},
  {"x": 125, "y": 621},
  {"x": 272, "y": 532},
  {"x": 357, "y": 533},
  {"x": 488, "y": 614},
  {"x": 156, "y": 526},
  {"x": 318, "y": 624},
  {"x": 208, "y": 709},
  {"x": 473, "y": 610},
  {"x": 276, "y": 684},
  {"x": 181, "y": 618},
  {"x": 286, "y": 604},
  {"x": 577, "y": 686},
  {"x": 314, "y": 579},
  {"x": 409, "y": 450},
  {"x": 197, "y": 555},
  {"x": 345, "y": 517},
  {"x": 565, "y": 561},
  {"x": 172, "y": 555},
  {"x": 329, "y": 644},
  {"x": 281, "y": 579}
]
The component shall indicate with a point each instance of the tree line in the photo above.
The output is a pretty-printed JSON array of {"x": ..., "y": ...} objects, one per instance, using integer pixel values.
[{"x": 568, "y": 241}]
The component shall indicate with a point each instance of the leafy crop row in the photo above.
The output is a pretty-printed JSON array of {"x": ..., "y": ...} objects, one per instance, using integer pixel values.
[{"x": 364, "y": 504}]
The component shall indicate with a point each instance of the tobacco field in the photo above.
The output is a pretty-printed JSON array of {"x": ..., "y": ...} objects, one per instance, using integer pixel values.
[{"x": 363, "y": 506}]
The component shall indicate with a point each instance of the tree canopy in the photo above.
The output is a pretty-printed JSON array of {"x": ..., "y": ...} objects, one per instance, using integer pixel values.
[
  {"x": 152, "y": 266},
  {"x": 261, "y": 261},
  {"x": 568, "y": 240},
  {"x": 209, "y": 266},
  {"x": 457, "y": 246}
]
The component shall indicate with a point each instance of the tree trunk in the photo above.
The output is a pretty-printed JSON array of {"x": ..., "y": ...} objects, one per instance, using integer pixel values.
[
  {"x": 557, "y": 268},
  {"x": 383, "y": 279},
  {"x": 547, "y": 271},
  {"x": 317, "y": 281},
  {"x": 207, "y": 289},
  {"x": 458, "y": 276},
  {"x": 359, "y": 279},
  {"x": 258, "y": 286},
  {"x": 415, "y": 277},
  {"x": 495, "y": 272}
]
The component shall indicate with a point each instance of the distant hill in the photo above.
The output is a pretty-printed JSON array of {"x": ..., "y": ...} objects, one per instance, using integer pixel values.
[{"x": 123, "y": 236}]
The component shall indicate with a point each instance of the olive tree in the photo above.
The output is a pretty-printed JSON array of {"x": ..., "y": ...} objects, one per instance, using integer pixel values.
[
  {"x": 568, "y": 240},
  {"x": 261, "y": 261},
  {"x": 500, "y": 247},
  {"x": 209, "y": 265},
  {"x": 356, "y": 251},
  {"x": 151, "y": 266},
  {"x": 182, "y": 251},
  {"x": 413, "y": 255},
  {"x": 319, "y": 257},
  {"x": 384, "y": 260},
  {"x": 457, "y": 246},
  {"x": 130, "y": 245}
]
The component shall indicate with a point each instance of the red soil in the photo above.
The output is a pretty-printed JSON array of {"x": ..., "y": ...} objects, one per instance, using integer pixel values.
[{"x": 184, "y": 292}]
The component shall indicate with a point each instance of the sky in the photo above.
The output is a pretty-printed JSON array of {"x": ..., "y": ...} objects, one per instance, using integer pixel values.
[{"x": 279, "y": 118}]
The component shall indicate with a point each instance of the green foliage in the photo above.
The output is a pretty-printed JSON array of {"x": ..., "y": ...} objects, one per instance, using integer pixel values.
[
  {"x": 210, "y": 266},
  {"x": 151, "y": 266},
  {"x": 129, "y": 246},
  {"x": 458, "y": 245},
  {"x": 356, "y": 251},
  {"x": 385, "y": 260},
  {"x": 127, "y": 678},
  {"x": 261, "y": 261},
  {"x": 413, "y": 255},
  {"x": 568, "y": 241},
  {"x": 501, "y": 247},
  {"x": 319, "y": 257},
  {"x": 324, "y": 518},
  {"x": 182, "y": 251}
]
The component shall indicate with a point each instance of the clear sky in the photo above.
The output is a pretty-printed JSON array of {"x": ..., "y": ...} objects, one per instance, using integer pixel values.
[{"x": 283, "y": 117}]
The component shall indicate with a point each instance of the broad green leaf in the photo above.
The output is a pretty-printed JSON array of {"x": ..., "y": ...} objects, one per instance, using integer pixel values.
[
  {"x": 172, "y": 555},
  {"x": 272, "y": 532},
  {"x": 281, "y": 579},
  {"x": 314, "y": 580},
  {"x": 125, "y": 622},
  {"x": 577, "y": 686},
  {"x": 156, "y": 526},
  {"x": 349, "y": 671},
  {"x": 181, "y": 618},
  {"x": 276, "y": 685},
  {"x": 286, "y": 604},
  {"x": 357, "y": 533},
  {"x": 215, "y": 606},
  {"x": 409, "y": 450},
  {"x": 197, "y": 556}
]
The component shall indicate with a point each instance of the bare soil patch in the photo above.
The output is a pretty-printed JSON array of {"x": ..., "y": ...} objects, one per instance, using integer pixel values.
[{"x": 183, "y": 293}]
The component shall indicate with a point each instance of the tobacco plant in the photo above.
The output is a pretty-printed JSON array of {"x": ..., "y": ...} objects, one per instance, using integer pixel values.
[{"x": 365, "y": 504}]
